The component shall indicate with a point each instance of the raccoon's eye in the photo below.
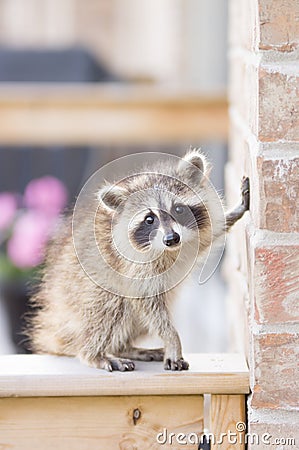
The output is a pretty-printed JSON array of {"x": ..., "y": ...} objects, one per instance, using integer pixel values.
[
  {"x": 149, "y": 220},
  {"x": 180, "y": 209}
]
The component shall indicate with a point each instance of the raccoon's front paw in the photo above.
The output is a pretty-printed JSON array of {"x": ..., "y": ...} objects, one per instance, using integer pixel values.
[
  {"x": 245, "y": 193},
  {"x": 180, "y": 364}
]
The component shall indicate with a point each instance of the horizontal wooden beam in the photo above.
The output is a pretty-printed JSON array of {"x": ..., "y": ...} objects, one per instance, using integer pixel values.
[
  {"x": 108, "y": 114},
  {"x": 44, "y": 375},
  {"x": 98, "y": 423}
]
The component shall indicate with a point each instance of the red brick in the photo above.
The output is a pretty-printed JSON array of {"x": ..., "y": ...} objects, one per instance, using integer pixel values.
[
  {"x": 275, "y": 283},
  {"x": 278, "y": 193},
  {"x": 276, "y": 373},
  {"x": 279, "y": 25},
  {"x": 278, "y": 106},
  {"x": 267, "y": 24}
]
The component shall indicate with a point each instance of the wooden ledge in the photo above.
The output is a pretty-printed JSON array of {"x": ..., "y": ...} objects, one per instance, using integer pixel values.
[{"x": 50, "y": 376}]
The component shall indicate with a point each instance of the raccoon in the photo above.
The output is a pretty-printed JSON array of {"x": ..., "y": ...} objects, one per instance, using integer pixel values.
[{"x": 147, "y": 229}]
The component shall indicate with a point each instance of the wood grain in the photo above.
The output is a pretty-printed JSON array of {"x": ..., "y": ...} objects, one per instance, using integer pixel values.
[
  {"x": 99, "y": 423},
  {"x": 110, "y": 114},
  {"x": 45, "y": 375},
  {"x": 227, "y": 414}
]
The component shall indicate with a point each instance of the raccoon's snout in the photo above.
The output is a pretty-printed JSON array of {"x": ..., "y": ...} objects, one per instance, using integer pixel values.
[{"x": 171, "y": 239}]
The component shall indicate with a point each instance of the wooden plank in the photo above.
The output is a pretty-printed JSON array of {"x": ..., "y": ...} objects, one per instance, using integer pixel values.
[
  {"x": 45, "y": 375},
  {"x": 81, "y": 115},
  {"x": 87, "y": 423},
  {"x": 227, "y": 416}
]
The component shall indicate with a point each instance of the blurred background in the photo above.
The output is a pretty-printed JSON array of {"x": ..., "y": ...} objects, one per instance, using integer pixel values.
[{"x": 85, "y": 82}]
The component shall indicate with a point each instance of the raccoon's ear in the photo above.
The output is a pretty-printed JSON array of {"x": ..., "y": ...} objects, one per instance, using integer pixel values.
[
  {"x": 111, "y": 196},
  {"x": 194, "y": 166}
]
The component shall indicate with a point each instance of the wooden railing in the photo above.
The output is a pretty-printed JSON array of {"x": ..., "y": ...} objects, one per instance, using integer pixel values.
[
  {"x": 113, "y": 114},
  {"x": 56, "y": 403}
]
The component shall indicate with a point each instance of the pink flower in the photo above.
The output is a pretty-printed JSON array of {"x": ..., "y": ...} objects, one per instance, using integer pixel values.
[
  {"x": 27, "y": 245},
  {"x": 8, "y": 208},
  {"x": 46, "y": 194}
]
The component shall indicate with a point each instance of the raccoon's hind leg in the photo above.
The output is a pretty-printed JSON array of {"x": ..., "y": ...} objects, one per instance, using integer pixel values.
[
  {"x": 108, "y": 362},
  {"x": 144, "y": 354}
]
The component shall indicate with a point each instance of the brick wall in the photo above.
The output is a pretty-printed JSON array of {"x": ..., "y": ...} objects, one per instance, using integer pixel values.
[{"x": 262, "y": 262}]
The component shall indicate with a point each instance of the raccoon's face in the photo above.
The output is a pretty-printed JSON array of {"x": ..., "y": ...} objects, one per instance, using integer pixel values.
[
  {"x": 160, "y": 210},
  {"x": 163, "y": 221}
]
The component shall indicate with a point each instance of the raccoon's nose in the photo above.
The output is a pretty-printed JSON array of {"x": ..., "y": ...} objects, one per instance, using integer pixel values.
[{"x": 171, "y": 239}]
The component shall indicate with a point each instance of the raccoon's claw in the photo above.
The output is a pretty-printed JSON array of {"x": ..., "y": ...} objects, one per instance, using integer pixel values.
[
  {"x": 123, "y": 365},
  {"x": 180, "y": 364},
  {"x": 111, "y": 363},
  {"x": 245, "y": 193}
]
